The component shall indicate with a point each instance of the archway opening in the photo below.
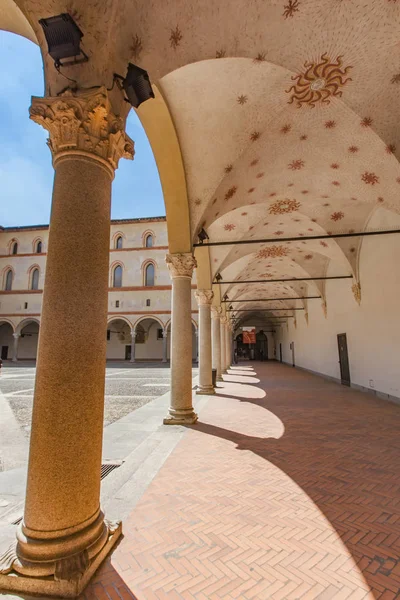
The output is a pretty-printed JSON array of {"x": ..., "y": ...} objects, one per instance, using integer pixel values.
[
  {"x": 149, "y": 340},
  {"x": 118, "y": 340},
  {"x": 28, "y": 341},
  {"x": 6, "y": 341}
]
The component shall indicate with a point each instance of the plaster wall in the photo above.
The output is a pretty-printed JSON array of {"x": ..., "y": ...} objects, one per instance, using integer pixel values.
[{"x": 373, "y": 328}]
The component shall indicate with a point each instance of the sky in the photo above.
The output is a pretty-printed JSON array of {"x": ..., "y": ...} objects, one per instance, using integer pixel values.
[{"x": 26, "y": 173}]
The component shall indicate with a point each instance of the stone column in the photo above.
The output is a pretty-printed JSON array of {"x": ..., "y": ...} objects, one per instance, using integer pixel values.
[
  {"x": 228, "y": 346},
  {"x": 63, "y": 536},
  {"x": 204, "y": 299},
  {"x": 16, "y": 337},
  {"x": 223, "y": 344},
  {"x": 216, "y": 340},
  {"x": 133, "y": 347},
  {"x": 165, "y": 346},
  {"x": 181, "y": 408}
]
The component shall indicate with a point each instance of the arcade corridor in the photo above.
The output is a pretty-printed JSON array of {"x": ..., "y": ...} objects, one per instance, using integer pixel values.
[{"x": 288, "y": 487}]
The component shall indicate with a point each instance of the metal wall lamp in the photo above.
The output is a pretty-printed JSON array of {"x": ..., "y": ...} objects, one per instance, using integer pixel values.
[{"x": 63, "y": 38}]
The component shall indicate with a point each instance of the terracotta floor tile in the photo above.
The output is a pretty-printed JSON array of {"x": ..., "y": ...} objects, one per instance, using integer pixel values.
[{"x": 286, "y": 488}]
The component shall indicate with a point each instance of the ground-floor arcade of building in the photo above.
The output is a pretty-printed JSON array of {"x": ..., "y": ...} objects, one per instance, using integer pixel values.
[{"x": 149, "y": 336}]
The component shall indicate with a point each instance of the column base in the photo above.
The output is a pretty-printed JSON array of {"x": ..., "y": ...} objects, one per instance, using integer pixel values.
[
  {"x": 180, "y": 417},
  {"x": 206, "y": 390},
  {"x": 53, "y": 585}
]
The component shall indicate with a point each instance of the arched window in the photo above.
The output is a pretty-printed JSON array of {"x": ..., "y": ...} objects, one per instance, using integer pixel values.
[
  {"x": 39, "y": 247},
  {"x": 35, "y": 279},
  {"x": 14, "y": 248},
  {"x": 117, "y": 277},
  {"x": 149, "y": 241},
  {"x": 149, "y": 275},
  {"x": 9, "y": 280},
  {"x": 118, "y": 242}
]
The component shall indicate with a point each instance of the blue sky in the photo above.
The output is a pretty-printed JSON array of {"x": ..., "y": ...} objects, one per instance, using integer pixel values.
[{"x": 26, "y": 174}]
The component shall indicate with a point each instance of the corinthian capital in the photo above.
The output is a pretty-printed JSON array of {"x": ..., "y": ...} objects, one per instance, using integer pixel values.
[
  {"x": 224, "y": 319},
  {"x": 83, "y": 123},
  {"x": 216, "y": 312},
  {"x": 181, "y": 265},
  {"x": 204, "y": 297}
]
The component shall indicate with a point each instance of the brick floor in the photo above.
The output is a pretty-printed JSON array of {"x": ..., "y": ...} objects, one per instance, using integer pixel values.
[{"x": 288, "y": 488}]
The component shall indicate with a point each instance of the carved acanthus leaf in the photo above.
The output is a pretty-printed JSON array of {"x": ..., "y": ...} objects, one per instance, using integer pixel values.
[
  {"x": 204, "y": 297},
  {"x": 180, "y": 265},
  {"x": 356, "y": 289},
  {"x": 84, "y": 122}
]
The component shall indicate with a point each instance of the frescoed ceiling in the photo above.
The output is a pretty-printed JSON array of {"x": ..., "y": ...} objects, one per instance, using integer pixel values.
[{"x": 287, "y": 114}]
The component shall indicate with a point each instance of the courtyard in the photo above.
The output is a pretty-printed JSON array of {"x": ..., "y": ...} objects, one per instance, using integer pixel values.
[{"x": 287, "y": 488}]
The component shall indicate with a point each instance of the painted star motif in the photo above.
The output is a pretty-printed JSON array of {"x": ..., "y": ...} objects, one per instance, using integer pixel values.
[{"x": 370, "y": 178}]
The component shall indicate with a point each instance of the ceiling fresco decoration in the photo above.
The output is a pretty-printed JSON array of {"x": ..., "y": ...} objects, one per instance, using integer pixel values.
[{"x": 287, "y": 114}]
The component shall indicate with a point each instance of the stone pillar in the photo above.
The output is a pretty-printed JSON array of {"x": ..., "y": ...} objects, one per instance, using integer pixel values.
[
  {"x": 165, "y": 346},
  {"x": 223, "y": 344},
  {"x": 63, "y": 536},
  {"x": 216, "y": 340},
  {"x": 181, "y": 408},
  {"x": 16, "y": 337},
  {"x": 204, "y": 299},
  {"x": 228, "y": 346},
  {"x": 133, "y": 346}
]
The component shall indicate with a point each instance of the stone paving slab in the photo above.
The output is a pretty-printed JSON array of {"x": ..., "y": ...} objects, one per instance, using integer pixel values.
[{"x": 287, "y": 490}]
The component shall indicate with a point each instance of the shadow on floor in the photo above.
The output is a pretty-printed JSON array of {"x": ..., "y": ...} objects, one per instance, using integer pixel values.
[{"x": 342, "y": 448}]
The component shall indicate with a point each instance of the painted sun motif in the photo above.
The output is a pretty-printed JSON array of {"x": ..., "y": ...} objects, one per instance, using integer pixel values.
[
  {"x": 286, "y": 128},
  {"x": 391, "y": 148},
  {"x": 337, "y": 216},
  {"x": 366, "y": 122},
  {"x": 228, "y": 168},
  {"x": 231, "y": 192},
  {"x": 229, "y": 227},
  {"x": 272, "y": 252},
  {"x": 254, "y": 136},
  {"x": 370, "y": 178},
  {"x": 353, "y": 149},
  {"x": 395, "y": 78},
  {"x": 242, "y": 99},
  {"x": 176, "y": 37},
  {"x": 261, "y": 57},
  {"x": 320, "y": 82},
  {"x": 281, "y": 207},
  {"x": 290, "y": 8},
  {"x": 296, "y": 165}
]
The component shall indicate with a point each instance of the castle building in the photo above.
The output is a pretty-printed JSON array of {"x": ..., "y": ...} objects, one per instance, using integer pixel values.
[{"x": 139, "y": 299}]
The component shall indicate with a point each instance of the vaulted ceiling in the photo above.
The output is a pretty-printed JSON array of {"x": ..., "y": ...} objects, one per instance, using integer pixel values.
[{"x": 288, "y": 118}]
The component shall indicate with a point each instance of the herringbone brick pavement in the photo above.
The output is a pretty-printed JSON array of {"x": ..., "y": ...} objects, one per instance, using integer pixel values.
[{"x": 288, "y": 488}]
